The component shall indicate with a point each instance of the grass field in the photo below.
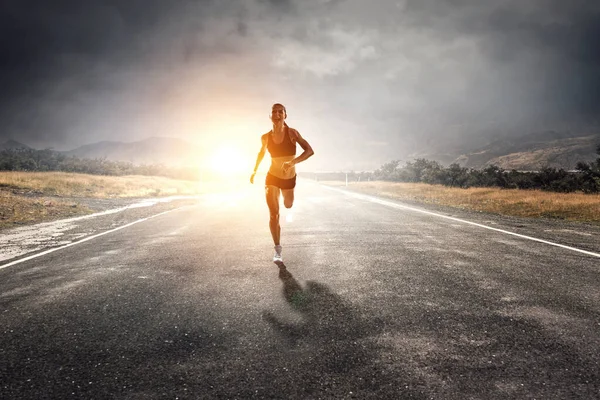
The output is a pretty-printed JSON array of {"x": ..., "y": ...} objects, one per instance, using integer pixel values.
[
  {"x": 80, "y": 185},
  {"x": 17, "y": 210},
  {"x": 521, "y": 203},
  {"x": 28, "y": 197}
]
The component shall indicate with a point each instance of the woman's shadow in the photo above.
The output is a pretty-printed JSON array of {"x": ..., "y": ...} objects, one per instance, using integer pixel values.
[
  {"x": 333, "y": 345},
  {"x": 327, "y": 318}
]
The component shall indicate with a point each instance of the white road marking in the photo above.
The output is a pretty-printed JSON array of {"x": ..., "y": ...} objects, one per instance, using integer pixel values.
[
  {"x": 396, "y": 205},
  {"x": 43, "y": 253},
  {"x": 18, "y": 241}
]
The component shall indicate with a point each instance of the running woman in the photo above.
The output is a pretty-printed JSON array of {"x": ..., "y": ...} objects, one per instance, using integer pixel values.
[{"x": 281, "y": 142}]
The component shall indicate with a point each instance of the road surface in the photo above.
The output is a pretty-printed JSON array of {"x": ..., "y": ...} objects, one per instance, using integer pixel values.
[{"x": 374, "y": 300}]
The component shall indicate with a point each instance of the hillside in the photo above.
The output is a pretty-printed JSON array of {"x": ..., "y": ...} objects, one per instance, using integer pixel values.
[
  {"x": 13, "y": 145},
  {"x": 533, "y": 152},
  {"x": 155, "y": 150}
]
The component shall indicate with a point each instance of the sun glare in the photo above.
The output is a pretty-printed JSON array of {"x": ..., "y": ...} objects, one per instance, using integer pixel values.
[{"x": 228, "y": 161}]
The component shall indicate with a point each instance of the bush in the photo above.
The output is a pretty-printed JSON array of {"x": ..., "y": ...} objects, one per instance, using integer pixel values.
[
  {"x": 49, "y": 160},
  {"x": 586, "y": 178}
]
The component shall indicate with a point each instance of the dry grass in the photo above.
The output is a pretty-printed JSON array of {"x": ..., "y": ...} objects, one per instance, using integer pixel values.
[
  {"x": 17, "y": 210},
  {"x": 29, "y": 197},
  {"x": 520, "y": 203},
  {"x": 80, "y": 185}
]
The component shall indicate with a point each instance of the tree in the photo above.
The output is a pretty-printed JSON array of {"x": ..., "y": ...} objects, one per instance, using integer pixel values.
[
  {"x": 455, "y": 175},
  {"x": 387, "y": 170}
]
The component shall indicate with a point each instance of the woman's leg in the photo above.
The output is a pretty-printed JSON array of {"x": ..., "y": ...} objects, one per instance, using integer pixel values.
[
  {"x": 272, "y": 195},
  {"x": 288, "y": 197}
]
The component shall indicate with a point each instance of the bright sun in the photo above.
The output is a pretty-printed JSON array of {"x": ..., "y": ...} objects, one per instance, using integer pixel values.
[{"x": 228, "y": 160}]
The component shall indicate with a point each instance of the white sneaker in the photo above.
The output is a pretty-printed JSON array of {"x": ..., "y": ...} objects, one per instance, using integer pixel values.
[{"x": 277, "y": 257}]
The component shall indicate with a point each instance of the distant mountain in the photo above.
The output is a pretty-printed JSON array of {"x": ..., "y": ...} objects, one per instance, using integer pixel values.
[
  {"x": 155, "y": 150},
  {"x": 534, "y": 151},
  {"x": 13, "y": 145}
]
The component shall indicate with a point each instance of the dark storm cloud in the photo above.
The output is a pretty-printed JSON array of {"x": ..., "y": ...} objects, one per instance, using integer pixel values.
[
  {"x": 564, "y": 41},
  {"x": 34, "y": 33},
  {"x": 48, "y": 48},
  {"x": 402, "y": 68},
  {"x": 280, "y": 5},
  {"x": 457, "y": 71},
  {"x": 550, "y": 48}
]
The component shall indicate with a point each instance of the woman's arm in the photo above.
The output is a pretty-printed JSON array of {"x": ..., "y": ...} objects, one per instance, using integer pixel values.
[
  {"x": 308, "y": 151},
  {"x": 260, "y": 156}
]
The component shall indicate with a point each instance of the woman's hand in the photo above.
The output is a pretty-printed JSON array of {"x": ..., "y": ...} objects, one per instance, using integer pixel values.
[
  {"x": 252, "y": 177},
  {"x": 286, "y": 166}
]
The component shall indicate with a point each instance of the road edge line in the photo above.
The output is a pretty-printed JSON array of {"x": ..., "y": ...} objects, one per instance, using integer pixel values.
[
  {"x": 43, "y": 253},
  {"x": 397, "y": 205}
]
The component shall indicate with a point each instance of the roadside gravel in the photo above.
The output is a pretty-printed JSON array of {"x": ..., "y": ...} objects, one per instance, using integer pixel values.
[{"x": 108, "y": 214}]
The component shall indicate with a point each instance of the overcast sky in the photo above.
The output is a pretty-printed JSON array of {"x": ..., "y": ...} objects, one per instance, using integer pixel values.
[{"x": 364, "y": 82}]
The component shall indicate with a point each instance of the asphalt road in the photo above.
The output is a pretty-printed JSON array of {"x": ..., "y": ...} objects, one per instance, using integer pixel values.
[{"x": 373, "y": 301}]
